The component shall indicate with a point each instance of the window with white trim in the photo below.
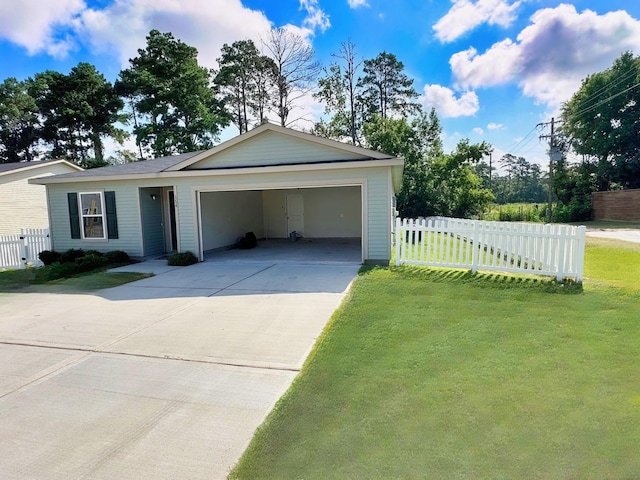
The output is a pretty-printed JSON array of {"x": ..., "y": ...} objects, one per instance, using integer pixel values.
[{"x": 92, "y": 215}]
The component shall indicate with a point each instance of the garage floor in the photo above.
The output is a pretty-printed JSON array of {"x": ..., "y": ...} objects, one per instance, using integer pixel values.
[
  {"x": 303, "y": 251},
  {"x": 164, "y": 378}
]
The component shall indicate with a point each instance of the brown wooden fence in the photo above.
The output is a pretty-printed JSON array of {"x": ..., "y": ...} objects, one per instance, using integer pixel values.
[{"x": 623, "y": 205}]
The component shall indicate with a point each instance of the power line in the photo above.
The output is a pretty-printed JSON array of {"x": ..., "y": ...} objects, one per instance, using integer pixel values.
[
  {"x": 593, "y": 96},
  {"x": 523, "y": 142},
  {"x": 601, "y": 102}
]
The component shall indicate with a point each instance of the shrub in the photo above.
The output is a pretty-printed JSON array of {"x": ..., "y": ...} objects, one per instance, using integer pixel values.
[
  {"x": 94, "y": 253},
  {"x": 182, "y": 259},
  {"x": 59, "y": 270},
  {"x": 49, "y": 256},
  {"x": 87, "y": 263},
  {"x": 577, "y": 210},
  {"x": 117, "y": 256},
  {"x": 71, "y": 255}
]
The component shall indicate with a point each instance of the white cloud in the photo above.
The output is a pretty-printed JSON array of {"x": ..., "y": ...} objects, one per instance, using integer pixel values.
[
  {"x": 316, "y": 17},
  {"x": 121, "y": 28},
  {"x": 552, "y": 55},
  {"x": 495, "y": 126},
  {"x": 33, "y": 24},
  {"x": 357, "y": 3},
  {"x": 465, "y": 15},
  {"x": 478, "y": 131},
  {"x": 444, "y": 100}
]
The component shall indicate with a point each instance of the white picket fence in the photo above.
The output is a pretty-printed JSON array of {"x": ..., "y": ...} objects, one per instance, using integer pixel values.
[
  {"x": 21, "y": 251},
  {"x": 556, "y": 250}
]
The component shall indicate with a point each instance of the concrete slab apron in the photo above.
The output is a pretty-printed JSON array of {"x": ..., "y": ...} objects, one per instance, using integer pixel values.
[{"x": 165, "y": 378}]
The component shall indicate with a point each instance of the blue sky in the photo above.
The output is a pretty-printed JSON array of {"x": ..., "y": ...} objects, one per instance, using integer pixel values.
[{"x": 493, "y": 69}]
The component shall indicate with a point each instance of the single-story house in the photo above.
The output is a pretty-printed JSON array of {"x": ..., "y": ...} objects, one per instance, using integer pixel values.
[
  {"x": 270, "y": 181},
  {"x": 24, "y": 205}
]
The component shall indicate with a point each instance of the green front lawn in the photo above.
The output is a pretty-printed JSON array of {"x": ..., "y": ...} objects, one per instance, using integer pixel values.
[
  {"x": 27, "y": 281},
  {"x": 428, "y": 373}
]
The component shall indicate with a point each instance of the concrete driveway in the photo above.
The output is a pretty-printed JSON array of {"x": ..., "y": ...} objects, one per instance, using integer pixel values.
[{"x": 163, "y": 378}]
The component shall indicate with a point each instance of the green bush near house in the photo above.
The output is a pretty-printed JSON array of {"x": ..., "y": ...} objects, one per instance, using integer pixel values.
[
  {"x": 117, "y": 256},
  {"x": 71, "y": 255},
  {"x": 91, "y": 262},
  {"x": 49, "y": 256},
  {"x": 75, "y": 261},
  {"x": 182, "y": 259}
]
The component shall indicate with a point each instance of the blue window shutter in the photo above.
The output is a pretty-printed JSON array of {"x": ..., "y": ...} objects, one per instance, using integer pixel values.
[
  {"x": 74, "y": 216},
  {"x": 110, "y": 210}
]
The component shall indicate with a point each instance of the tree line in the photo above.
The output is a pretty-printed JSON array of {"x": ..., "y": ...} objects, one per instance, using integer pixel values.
[
  {"x": 172, "y": 105},
  {"x": 601, "y": 125}
]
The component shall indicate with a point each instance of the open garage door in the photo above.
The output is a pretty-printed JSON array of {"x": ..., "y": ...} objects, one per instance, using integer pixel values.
[{"x": 325, "y": 219}]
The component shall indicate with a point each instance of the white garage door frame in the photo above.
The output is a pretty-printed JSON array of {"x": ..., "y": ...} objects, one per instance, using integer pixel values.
[{"x": 357, "y": 182}]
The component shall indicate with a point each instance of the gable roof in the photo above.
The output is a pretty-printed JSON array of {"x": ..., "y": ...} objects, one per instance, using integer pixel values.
[
  {"x": 155, "y": 165},
  {"x": 7, "y": 168},
  {"x": 219, "y": 158},
  {"x": 347, "y": 151}
]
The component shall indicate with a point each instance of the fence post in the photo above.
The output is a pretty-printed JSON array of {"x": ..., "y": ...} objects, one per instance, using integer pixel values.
[
  {"x": 24, "y": 253},
  {"x": 475, "y": 243},
  {"x": 579, "y": 251},
  {"x": 561, "y": 233},
  {"x": 398, "y": 240}
]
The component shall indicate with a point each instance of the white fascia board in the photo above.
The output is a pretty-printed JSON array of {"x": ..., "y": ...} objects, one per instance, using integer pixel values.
[
  {"x": 390, "y": 162},
  {"x": 36, "y": 165}
]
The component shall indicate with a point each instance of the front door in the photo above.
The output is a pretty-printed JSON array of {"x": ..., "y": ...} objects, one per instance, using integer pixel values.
[
  {"x": 152, "y": 221},
  {"x": 295, "y": 214}
]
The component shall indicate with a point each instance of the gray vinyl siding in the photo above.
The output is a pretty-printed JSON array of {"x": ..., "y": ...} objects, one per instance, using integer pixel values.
[
  {"x": 128, "y": 214},
  {"x": 271, "y": 148},
  {"x": 379, "y": 205},
  {"x": 375, "y": 181}
]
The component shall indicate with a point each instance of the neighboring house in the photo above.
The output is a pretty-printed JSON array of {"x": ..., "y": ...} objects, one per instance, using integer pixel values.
[
  {"x": 270, "y": 181},
  {"x": 24, "y": 205}
]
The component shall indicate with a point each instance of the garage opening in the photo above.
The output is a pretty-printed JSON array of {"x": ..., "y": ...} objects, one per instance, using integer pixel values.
[{"x": 327, "y": 221}]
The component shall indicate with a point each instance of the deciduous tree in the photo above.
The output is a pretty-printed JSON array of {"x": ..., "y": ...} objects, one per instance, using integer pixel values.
[
  {"x": 338, "y": 90},
  {"x": 296, "y": 69},
  {"x": 602, "y": 121}
]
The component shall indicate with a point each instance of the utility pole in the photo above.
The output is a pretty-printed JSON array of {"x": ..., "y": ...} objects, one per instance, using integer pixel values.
[{"x": 554, "y": 153}]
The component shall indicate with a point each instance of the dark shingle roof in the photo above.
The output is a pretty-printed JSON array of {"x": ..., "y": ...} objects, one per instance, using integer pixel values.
[{"x": 155, "y": 165}]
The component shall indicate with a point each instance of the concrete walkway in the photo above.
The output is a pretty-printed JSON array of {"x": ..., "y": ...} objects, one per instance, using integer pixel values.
[{"x": 164, "y": 378}]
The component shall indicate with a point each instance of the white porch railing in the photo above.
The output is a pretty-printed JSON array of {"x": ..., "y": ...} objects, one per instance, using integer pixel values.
[
  {"x": 20, "y": 251},
  {"x": 556, "y": 250}
]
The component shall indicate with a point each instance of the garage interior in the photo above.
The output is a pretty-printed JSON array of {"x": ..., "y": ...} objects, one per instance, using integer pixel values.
[{"x": 327, "y": 222}]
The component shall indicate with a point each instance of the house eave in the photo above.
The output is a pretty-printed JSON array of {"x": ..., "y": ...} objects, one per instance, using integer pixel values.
[
  {"x": 388, "y": 162},
  {"x": 37, "y": 165}
]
